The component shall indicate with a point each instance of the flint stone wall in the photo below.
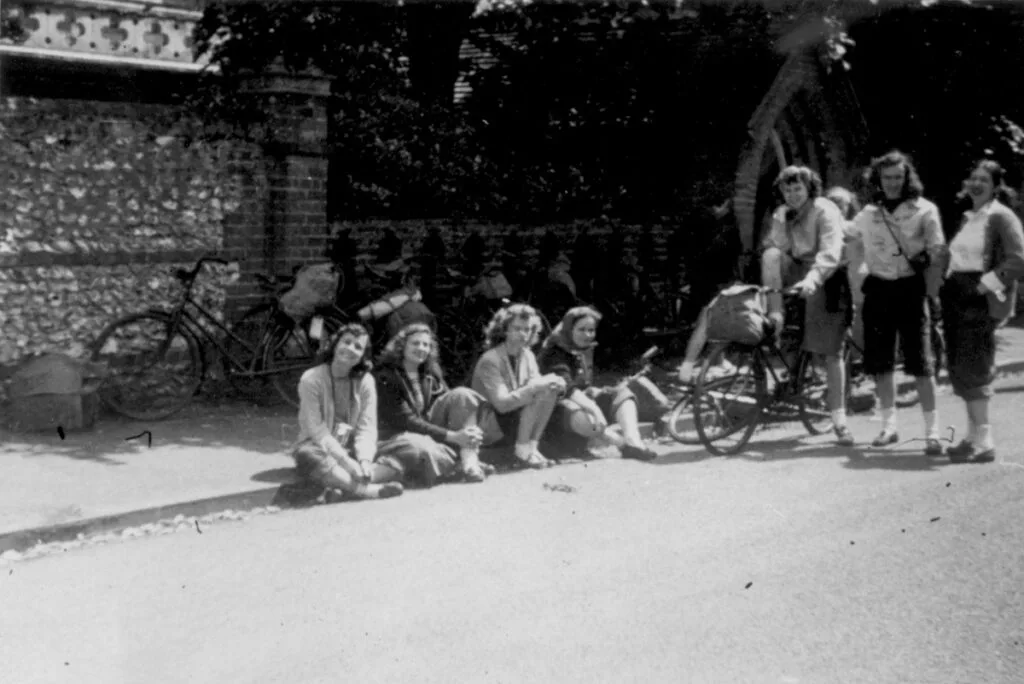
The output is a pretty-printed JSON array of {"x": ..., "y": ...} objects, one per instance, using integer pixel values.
[{"x": 98, "y": 202}]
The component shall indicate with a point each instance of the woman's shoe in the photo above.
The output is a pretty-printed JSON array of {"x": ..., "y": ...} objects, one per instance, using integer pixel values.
[
  {"x": 638, "y": 453},
  {"x": 474, "y": 473},
  {"x": 885, "y": 438},
  {"x": 965, "y": 452},
  {"x": 843, "y": 436},
  {"x": 961, "y": 453},
  {"x": 534, "y": 460},
  {"x": 933, "y": 447}
]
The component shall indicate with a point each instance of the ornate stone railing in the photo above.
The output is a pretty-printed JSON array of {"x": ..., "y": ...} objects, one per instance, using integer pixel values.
[{"x": 149, "y": 34}]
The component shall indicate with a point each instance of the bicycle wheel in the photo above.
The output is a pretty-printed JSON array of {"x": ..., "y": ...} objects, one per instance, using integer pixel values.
[
  {"x": 249, "y": 330},
  {"x": 729, "y": 396},
  {"x": 812, "y": 394},
  {"x": 680, "y": 423},
  {"x": 290, "y": 352},
  {"x": 152, "y": 370}
]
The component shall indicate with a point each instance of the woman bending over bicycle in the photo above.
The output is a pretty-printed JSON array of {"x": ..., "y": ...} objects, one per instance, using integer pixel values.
[
  {"x": 586, "y": 410},
  {"x": 507, "y": 375},
  {"x": 338, "y": 420},
  {"x": 803, "y": 250},
  {"x": 429, "y": 430}
]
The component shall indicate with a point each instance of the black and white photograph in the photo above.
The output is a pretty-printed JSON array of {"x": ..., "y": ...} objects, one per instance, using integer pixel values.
[{"x": 511, "y": 341}]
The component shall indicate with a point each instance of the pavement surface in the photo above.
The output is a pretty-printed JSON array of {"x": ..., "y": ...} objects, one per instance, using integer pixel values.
[
  {"x": 797, "y": 562},
  {"x": 206, "y": 459}
]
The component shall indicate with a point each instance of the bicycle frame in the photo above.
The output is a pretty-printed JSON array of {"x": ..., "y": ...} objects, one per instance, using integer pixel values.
[{"x": 182, "y": 316}]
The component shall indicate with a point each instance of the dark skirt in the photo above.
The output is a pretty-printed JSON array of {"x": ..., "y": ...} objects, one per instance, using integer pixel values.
[{"x": 970, "y": 336}]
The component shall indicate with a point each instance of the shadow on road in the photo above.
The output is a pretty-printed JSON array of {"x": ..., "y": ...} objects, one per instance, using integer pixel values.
[
  {"x": 888, "y": 459},
  {"x": 240, "y": 425}
]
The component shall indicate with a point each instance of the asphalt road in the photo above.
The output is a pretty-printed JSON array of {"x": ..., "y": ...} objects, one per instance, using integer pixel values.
[{"x": 798, "y": 562}]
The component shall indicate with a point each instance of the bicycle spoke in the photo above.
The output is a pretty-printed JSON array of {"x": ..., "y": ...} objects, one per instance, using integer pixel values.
[{"x": 152, "y": 371}]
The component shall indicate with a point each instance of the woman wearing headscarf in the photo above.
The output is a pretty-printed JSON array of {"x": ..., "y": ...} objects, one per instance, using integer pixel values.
[{"x": 585, "y": 410}]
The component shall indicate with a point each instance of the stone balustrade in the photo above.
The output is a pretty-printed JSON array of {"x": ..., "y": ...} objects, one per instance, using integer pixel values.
[{"x": 154, "y": 34}]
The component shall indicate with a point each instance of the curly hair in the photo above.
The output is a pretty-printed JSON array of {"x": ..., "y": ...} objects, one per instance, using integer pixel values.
[
  {"x": 798, "y": 174},
  {"x": 497, "y": 330},
  {"x": 329, "y": 344},
  {"x": 394, "y": 350},
  {"x": 912, "y": 187},
  {"x": 841, "y": 197}
]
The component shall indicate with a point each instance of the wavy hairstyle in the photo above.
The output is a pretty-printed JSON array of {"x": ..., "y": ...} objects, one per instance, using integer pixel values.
[
  {"x": 841, "y": 197},
  {"x": 497, "y": 330},
  {"x": 394, "y": 351},
  {"x": 329, "y": 344},
  {"x": 1000, "y": 190},
  {"x": 798, "y": 174},
  {"x": 562, "y": 333},
  {"x": 912, "y": 187}
]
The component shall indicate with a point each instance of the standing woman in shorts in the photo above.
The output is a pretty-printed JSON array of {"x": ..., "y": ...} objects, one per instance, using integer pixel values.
[
  {"x": 803, "y": 250},
  {"x": 986, "y": 257},
  {"x": 903, "y": 244}
]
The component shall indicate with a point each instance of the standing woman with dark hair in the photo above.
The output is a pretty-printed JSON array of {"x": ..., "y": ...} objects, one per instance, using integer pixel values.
[
  {"x": 901, "y": 233},
  {"x": 986, "y": 257},
  {"x": 338, "y": 420},
  {"x": 803, "y": 250},
  {"x": 507, "y": 376}
]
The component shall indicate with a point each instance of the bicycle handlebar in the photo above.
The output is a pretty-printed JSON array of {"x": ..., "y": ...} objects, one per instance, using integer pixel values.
[{"x": 189, "y": 277}]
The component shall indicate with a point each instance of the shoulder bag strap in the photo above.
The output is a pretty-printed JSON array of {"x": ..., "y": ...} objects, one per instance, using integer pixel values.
[{"x": 895, "y": 236}]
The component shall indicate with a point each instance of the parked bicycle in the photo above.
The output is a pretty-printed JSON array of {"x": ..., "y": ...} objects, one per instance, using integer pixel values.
[
  {"x": 738, "y": 383},
  {"x": 156, "y": 361}
]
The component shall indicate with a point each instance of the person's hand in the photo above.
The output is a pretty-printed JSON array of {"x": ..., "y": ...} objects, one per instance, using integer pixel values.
[
  {"x": 555, "y": 383},
  {"x": 597, "y": 416},
  {"x": 468, "y": 437},
  {"x": 806, "y": 287}
]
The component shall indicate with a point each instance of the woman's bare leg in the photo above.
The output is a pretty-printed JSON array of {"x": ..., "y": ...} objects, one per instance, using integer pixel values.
[{"x": 627, "y": 419}]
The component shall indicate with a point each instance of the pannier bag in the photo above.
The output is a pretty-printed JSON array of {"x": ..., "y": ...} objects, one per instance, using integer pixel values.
[
  {"x": 388, "y": 304},
  {"x": 737, "y": 314},
  {"x": 315, "y": 286}
]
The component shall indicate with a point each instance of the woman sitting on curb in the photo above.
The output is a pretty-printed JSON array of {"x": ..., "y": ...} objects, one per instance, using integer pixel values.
[
  {"x": 338, "y": 420},
  {"x": 586, "y": 410},
  {"x": 422, "y": 421},
  {"x": 508, "y": 377}
]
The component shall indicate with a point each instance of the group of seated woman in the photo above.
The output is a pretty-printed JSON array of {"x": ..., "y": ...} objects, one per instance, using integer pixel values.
[{"x": 363, "y": 434}]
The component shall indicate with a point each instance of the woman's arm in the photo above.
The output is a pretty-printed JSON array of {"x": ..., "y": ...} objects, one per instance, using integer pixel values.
[
  {"x": 311, "y": 417},
  {"x": 935, "y": 244},
  {"x": 555, "y": 361},
  {"x": 394, "y": 401},
  {"x": 364, "y": 436},
  {"x": 831, "y": 228},
  {"x": 497, "y": 391},
  {"x": 1010, "y": 233}
]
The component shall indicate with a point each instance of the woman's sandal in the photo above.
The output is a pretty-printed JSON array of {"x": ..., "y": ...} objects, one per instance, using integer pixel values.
[
  {"x": 474, "y": 473},
  {"x": 535, "y": 460}
]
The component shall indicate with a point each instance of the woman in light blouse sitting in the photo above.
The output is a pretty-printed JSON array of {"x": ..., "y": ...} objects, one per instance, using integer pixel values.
[
  {"x": 507, "y": 376},
  {"x": 338, "y": 421},
  {"x": 986, "y": 257}
]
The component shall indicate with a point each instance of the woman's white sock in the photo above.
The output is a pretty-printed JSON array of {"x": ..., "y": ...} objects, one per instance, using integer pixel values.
[{"x": 984, "y": 439}]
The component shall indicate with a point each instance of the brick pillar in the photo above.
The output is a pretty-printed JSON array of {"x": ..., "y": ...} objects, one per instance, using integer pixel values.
[{"x": 287, "y": 226}]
